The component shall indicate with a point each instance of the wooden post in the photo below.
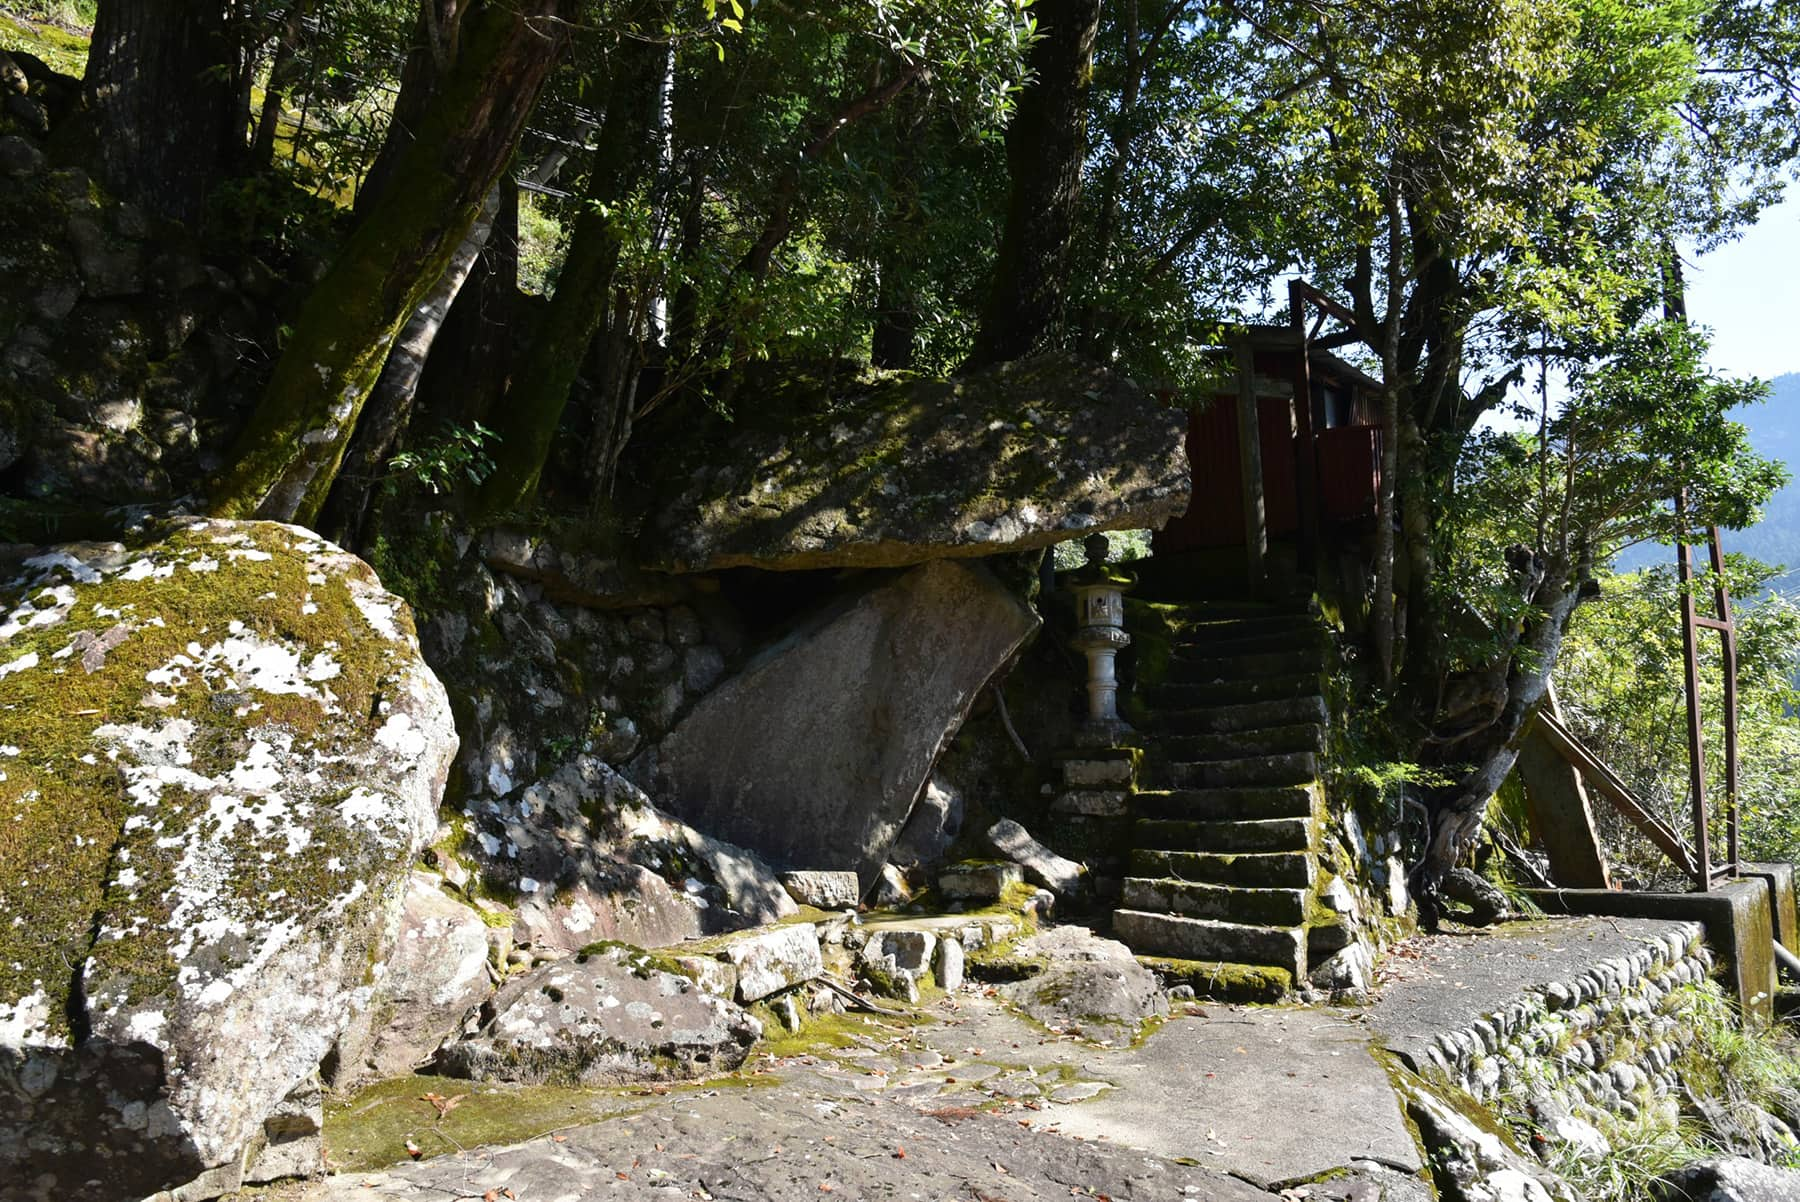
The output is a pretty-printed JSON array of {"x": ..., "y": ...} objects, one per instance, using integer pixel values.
[
  {"x": 1249, "y": 426},
  {"x": 1306, "y": 465}
]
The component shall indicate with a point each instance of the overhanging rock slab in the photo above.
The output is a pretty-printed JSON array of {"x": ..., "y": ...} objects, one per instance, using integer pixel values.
[
  {"x": 896, "y": 471},
  {"x": 815, "y": 751}
]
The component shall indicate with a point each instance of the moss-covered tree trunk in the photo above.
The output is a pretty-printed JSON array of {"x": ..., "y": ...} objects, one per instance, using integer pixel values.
[
  {"x": 1046, "y": 145},
  {"x": 625, "y": 155},
  {"x": 163, "y": 88},
  {"x": 390, "y": 406},
  {"x": 284, "y": 461}
]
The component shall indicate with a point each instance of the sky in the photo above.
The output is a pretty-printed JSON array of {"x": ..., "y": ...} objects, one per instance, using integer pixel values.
[{"x": 1749, "y": 293}]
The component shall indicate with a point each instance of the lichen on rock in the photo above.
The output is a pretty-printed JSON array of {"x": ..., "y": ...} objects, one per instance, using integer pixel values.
[{"x": 219, "y": 752}]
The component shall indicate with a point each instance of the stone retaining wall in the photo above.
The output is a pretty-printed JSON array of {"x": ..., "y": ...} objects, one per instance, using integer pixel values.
[{"x": 1604, "y": 1041}]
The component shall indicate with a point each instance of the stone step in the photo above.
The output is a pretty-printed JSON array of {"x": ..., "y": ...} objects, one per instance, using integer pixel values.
[
  {"x": 1229, "y": 744},
  {"x": 1202, "y": 665},
  {"x": 1202, "y": 805},
  {"x": 1200, "y": 645},
  {"x": 1232, "y": 692},
  {"x": 1266, "y": 907},
  {"x": 1291, "y": 768},
  {"x": 1203, "y": 626},
  {"x": 1221, "y": 980},
  {"x": 1226, "y": 836},
  {"x": 1260, "y": 870},
  {"x": 1210, "y": 939},
  {"x": 1203, "y": 718}
]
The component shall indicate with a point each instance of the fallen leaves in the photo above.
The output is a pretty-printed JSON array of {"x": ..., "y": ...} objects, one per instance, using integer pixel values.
[{"x": 441, "y": 1104}]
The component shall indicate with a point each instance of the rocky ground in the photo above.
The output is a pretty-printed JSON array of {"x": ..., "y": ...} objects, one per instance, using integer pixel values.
[
  {"x": 989, "y": 1094},
  {"x": 961, "y": 1099}
]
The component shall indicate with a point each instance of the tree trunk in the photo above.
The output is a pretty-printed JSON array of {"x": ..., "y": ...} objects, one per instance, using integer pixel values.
[
  {"x": 1381, "y": 610},
  {"x": 897, "y": 300},
  {"x": 281, "y": 74},
  {"x": 433, "y": 49},
  {"x": 626, "y": 153},
  {"x": 1045, "y": 148},
  {"x": 285, "y": 459},
  {"x": 1457, "y": 818},
  {"x": 162, "y": 84},
  {"x": 386, "y": 412}
]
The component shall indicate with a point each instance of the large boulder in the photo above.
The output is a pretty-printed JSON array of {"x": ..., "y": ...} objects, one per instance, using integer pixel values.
[
  {"x": 611, "y": 1015},
  {"x": 891, "y": 471},
  {"x": 219, "y": 752},
  {"x": 815, "y": 752},
  {"x": 590, "y": 858}
]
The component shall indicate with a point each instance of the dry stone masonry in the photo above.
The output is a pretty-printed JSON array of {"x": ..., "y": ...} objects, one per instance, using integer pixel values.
[{"x": 1604, "y": 1040}]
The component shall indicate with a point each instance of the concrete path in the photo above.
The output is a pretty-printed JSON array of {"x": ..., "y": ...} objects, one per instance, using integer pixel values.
[
  {"x": 1445, "y": 982},
  {"x": 1268, "y": 1095}
]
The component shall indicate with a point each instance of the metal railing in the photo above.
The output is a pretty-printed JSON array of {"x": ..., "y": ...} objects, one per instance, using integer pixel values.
[{"x": 1692, "y": 622}]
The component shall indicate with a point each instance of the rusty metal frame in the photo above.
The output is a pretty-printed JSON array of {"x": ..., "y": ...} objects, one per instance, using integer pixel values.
[{"x": 1692, "y": 622}]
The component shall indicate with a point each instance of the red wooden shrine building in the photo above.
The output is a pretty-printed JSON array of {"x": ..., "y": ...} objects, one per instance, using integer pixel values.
[{"x": 1267, "y": 468}]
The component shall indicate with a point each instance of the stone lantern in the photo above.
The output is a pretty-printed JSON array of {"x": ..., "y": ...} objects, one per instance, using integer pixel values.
[{"x": 1100, "y": 635}]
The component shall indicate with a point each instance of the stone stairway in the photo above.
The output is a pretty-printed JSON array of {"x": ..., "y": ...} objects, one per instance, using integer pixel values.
[{"x": 1229, "y": 812}]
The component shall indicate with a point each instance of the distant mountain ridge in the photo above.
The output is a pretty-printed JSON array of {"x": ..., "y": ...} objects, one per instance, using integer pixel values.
[{"x": 1775, "y": 432}]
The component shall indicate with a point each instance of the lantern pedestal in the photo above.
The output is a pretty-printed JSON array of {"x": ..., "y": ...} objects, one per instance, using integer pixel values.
[{"x": 1100, "y": 636}]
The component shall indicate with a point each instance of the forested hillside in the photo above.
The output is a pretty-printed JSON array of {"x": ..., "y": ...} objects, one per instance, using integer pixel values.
[{"x": 1774, "y": 428}]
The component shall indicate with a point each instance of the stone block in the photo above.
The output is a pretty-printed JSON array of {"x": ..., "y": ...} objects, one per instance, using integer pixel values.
[
  {"x": 823, "y": 890},
  {"x": 1094, "y": 803},
  {"x": 1061, "y": 876},
  {"x": 910, "y": 951},
  {"x": 947, "y": 965},
  {"x": 715, "y": 976},
  {"x": 1111, "y": 773},
  {"x": 773, "y": 960},
  {"x": 979, "y": 882}
]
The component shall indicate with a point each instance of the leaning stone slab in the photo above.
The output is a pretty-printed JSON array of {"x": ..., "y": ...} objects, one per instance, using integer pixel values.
[
  {"x": 1065, "y": 878},
  {"x": 221, "y": 752},
  {"x": 980, "y": 882},
  {"x": 885, "y": 471},
  {"x": 601, "y": 1018},
  {"x": 823, "y": 890},
  {"x": 815, "y": 752},
  {"x": 774, "y": 960}
]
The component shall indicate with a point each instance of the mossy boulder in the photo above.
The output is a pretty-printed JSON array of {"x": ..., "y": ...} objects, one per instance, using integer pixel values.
[
  {"x": 610, "y": 1015},
  {"x": 887, "y": 470},
  {"x": 220, "y": 750}
]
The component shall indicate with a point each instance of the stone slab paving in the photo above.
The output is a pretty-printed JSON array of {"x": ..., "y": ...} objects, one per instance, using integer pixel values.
[{"x": 1445, "y": 982}]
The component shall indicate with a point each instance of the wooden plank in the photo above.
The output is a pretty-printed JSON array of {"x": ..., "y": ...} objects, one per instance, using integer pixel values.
[
  {"x": 1615, "y": 791},
  {"x": 1713, "y": 623}
]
